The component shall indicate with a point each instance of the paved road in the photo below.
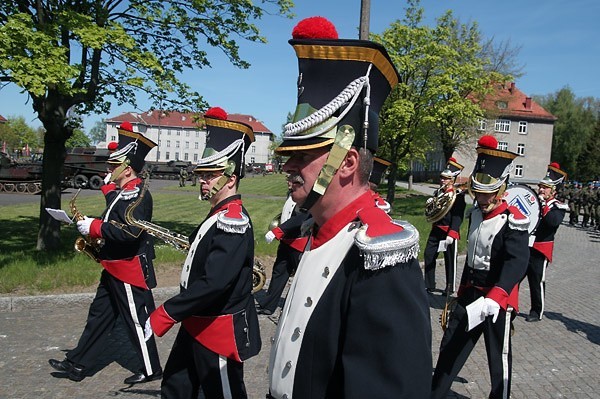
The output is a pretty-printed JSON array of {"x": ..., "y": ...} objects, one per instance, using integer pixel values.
[{"x": 556, "y": 358}]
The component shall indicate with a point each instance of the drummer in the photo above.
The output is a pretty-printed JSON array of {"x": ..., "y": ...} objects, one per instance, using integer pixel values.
[
  {"x": 497, "y": 254},
  {"x": 540, "y": 254}
]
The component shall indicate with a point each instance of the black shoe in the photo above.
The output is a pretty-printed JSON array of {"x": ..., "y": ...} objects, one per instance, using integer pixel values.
[
  {"x": 77, "y": 373},
  {"x": 264, "y": 311},
  {"x": 533, "y": 317},
  {"x": 139, "y": 378},
  {"x": 430, "y": 290},
  {"x": 64, "y": 366}
]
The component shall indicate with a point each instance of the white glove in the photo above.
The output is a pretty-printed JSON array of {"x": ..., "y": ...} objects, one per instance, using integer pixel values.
[
  {"x": 449, "y": 241},
  {"x": 107, "y": 178},
  {"x": 148, "y": 333},
  {"x": 490, "y": 308},
  {"x": 84, "y": 225},
  {"x": 269, "y": 236}
]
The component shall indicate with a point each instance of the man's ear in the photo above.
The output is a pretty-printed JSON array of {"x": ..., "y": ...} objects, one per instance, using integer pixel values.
[
  {"x": 350, "y": 164},
  {"x": 232, "y": 181}
]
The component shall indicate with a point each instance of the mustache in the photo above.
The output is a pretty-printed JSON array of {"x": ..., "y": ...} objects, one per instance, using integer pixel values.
[{"x": 296, "y": 179}]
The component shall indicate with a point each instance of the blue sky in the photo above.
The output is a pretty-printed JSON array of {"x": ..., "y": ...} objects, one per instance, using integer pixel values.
[{"x": 560, "y": 43}]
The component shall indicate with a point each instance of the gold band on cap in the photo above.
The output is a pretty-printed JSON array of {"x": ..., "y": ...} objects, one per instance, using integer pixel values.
[
  {"x": 240, "y": 127},
  {"x": 138, "y": 137},
  {"x": 350, "y": 53}
]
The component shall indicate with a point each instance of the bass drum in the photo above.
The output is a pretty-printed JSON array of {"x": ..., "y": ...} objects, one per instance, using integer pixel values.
[{"x": 526, "y": 199}]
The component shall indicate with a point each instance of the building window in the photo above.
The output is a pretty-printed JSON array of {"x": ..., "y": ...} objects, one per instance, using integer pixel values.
[
  {"x": 196, "y": 145},
  {"x": 482, "y": 124},
  {"x": 178, "y": 133},
  {"x": 168, "y": 143},
  {"x": 522, "y": 127},
  {"x": 197, "y": 134},
  {"x": 168, "y": 132},
  {"x": 503, "y": 145},
  {"x": 177, "y": 156},
  {"x": 521, "y": 149},
  {"x": 253, "y": 148},
  {"x": 159, "y": 142},
  {"x": 502, "y": 126},
  {"x": 185, "y": 156},
  {"x": 168, "y": 155},
  {"x": 252, "y": 160},
  {"x": 195, "y": 157},
  {"x": 113, "y": 138},
  {"x": 518, "y": 170},
  {"x": 187, "y": 133},
  {"x": 177, "y": 144},
  {"x": 187, "y": 144}
]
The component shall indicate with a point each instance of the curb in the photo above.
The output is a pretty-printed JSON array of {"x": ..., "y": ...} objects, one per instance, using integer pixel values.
[{"x": 43, "y": 302}]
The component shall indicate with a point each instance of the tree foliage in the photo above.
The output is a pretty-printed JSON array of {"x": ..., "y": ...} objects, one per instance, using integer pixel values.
[
  {"x": 98, "y": 132},
  {"x": 16, "y": 134},
  {"x": 86, "y": 53},
  {"x": 573, "y": 131},
  {"x": 78, "y": 139},
  {"x": 442, "y": 70}
]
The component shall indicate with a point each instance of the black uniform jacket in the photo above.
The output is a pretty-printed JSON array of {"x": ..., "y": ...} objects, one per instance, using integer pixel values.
[
  {"x": 363, "y": 333},
  {"x": 552, "y": 216},
  {"x": 128, "y": 251},
  {"x": 215, "y": 303},
  {"x": 497, "y": 255},
  {"x": 452, "y": 220}
]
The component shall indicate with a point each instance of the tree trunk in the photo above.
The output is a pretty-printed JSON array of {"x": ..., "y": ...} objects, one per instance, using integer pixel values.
[
  {"x": 54, "y": 157},
  {"x": 391, "y": 188}
]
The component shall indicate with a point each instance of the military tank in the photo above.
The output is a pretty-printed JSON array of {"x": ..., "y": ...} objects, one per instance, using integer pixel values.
[
  {"x": 16, "y": 176},
  {"x": 87, "y": 166}
]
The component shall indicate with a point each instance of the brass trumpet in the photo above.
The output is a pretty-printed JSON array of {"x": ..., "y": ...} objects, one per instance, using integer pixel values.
[
  {"x": 85, "y": 244},
  {"x": 440, "y": 204}
]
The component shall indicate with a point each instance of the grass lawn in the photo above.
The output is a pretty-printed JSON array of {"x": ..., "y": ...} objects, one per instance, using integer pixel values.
[{"x": 25, "y": 271}]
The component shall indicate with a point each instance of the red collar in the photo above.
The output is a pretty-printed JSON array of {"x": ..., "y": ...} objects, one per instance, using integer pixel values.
[
  {"x": 131, "y": 184},
  {"x": 499, "y": 209},
  {"x": 331, "y": 227},
  {"x": 234, "y": 199}
]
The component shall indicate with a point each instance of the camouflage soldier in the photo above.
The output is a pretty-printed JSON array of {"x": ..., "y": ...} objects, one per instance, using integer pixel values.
[
  {"x": 576, "y": 203},
  {"x": 586, "y": 204}
]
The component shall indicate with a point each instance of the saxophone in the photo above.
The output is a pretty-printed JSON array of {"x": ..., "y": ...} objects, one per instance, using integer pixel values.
[
  {"x": 85, "y": 244},
  {"x": 180, "y": 241}
]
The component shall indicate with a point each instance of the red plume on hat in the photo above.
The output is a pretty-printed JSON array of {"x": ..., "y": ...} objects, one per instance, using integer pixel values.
[
  {"x": 216, "y": 113},
  {"x": 488, "y": 141},
  {"x": 315, "y": 28},
  {"x": 113, "y": 145},
  {"x": 126, "y": 126},
  {"x": 555, "y": 165}
]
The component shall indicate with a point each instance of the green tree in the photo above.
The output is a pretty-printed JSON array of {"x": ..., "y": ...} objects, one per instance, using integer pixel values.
[
  {"x": 577, "y": 118},
  {"x": 18, "y": 134},
  {"x": 588, "y": 162},
  {"x": 443, "y": 71},
  {"x": 98, "y": 132},
  {"x": 78, "y": 139},
  {"x": 83, "y": 54}
]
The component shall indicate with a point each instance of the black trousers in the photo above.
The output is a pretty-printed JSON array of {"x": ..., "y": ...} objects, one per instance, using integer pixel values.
[
  {"x": 192, "y": 367},
  {"x": 536, "y": 276},
  {"x": 458, "y": 343},
  {"x": 285, "y": 265},
  {"x": 133, "y": 304},
  {"x": 431, "y": 255}
]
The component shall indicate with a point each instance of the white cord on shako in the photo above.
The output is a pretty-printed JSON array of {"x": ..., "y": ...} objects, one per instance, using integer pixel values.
[{"x": 352, "y": 91}]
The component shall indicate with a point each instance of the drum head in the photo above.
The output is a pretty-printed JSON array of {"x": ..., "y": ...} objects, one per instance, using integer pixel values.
[{"x": 524, "y": 198}]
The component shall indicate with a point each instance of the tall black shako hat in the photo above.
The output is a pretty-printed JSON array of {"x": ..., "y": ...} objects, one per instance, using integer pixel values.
[
  {"x": 554, "y": 176},
  {"x": 379, "y": 167},
  {"x": 131, "y": 149},
  {"x": 342, "y": 85},
  {"x": 492, "y": 167},
  {"x": 452, "y": 169},
  {"x": 226, "y": 144}
]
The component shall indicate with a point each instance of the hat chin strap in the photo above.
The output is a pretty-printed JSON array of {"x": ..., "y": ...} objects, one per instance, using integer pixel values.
[
  {"x": 227, "y": 173},
  {"x": 343, "y": 141},
  {"x": 119, "y": 170}
]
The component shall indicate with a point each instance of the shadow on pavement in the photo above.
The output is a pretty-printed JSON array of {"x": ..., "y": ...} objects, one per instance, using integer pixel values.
[{"x": 591, "y": 331}]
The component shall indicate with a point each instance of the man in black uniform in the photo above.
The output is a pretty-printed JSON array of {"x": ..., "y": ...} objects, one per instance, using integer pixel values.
[
  {"x": 540, "y": 254},
  {"x": 126, "y": 257},
  {"x": 215, "y": 306},
  {"x": 356, "y": 318},
  {"x": 496, "y": 261},
  {"x": 446, "y": 228}
]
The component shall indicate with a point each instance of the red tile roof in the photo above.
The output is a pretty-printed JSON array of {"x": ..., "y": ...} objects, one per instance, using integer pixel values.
[
  {"x": 518, "y": 104},
  {"x": 3, "y": 119},
  {"x": 183, "y": 120}
]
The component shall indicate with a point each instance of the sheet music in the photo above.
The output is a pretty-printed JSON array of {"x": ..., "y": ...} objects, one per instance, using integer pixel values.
[{"x": 59, "y": 215}]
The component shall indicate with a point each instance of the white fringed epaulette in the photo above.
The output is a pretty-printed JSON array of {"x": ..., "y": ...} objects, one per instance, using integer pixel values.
[
  {"x": 388, "y": 249},
  {"x": 228, "y": 224},
  {"x": 518, "y": 224},
  {"x": 130, "y": 194},
  {"x": 561, "y": 205}
]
